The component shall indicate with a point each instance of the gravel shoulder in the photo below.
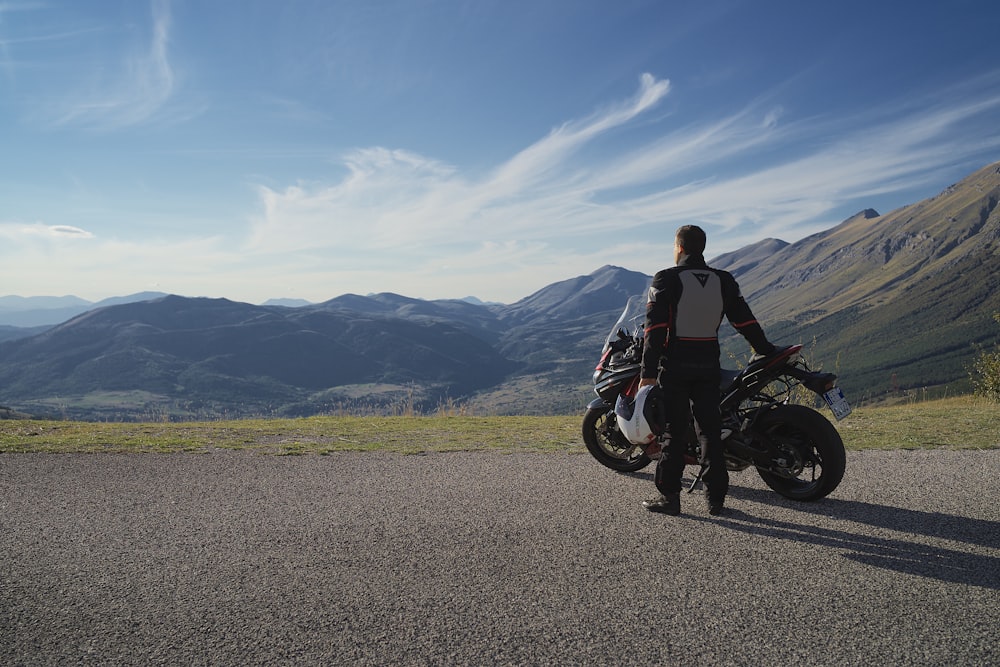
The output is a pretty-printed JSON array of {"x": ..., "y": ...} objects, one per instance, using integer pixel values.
[{"x": 471, "y": 558}]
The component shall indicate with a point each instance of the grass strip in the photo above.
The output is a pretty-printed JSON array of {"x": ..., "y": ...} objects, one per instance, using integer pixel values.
[
  {"x": 960, "y": 423},
  {"x": 310, "y": 435},
  {"x": 963, "y": 422}
]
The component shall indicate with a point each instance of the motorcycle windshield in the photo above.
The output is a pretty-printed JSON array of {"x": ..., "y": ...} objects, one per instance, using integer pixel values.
[{"x": 632, "y": 321}]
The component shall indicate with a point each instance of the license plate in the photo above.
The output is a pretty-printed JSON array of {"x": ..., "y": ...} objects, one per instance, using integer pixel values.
[{"x": 837, "y": 403}]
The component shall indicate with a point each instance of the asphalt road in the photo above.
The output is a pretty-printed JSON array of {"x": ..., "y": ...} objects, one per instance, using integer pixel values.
[{"x": 475, "y": 558}]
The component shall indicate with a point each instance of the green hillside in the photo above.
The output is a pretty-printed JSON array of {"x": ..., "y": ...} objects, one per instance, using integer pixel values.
[{"x": 896, "y": 300}]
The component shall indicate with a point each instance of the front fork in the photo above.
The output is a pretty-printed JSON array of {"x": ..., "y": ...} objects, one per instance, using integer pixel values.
[{"x": 601, "y": 404}]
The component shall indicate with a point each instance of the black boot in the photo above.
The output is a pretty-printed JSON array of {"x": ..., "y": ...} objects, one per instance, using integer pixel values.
[{"x": 669, "y": 503}]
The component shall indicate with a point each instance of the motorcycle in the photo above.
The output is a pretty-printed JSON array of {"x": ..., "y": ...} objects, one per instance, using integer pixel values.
[{"x": 795, "y": 449}]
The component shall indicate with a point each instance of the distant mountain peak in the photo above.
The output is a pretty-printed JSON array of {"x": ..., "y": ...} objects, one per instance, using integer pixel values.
[
  {"x": 287, "y": 302},
  {"x": 607, "y": 268}
]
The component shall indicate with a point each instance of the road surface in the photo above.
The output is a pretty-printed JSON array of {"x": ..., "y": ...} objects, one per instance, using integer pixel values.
[{"x": 236, "y": 558}]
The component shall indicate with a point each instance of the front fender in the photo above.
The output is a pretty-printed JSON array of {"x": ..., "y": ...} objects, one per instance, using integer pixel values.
[{"x": 599, "y": 403}]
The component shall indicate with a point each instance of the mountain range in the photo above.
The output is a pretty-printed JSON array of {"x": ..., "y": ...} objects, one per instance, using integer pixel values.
[
  {"x": 889, "y": 302},
  {"x": 45, "y": 311}
]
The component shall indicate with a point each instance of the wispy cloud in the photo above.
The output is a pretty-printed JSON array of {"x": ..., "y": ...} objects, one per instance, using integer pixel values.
[
  {"x": 564, "y": 205},
  {"x": 540, "y": 160},
  {"x": 546, "y": 200},
  {"x": 20, "y": 231},
  {"x": 145, "y": 84},
  {"x": 857, "y": 163},
  {"x": 9, "y": 7},
  {"x": 6, "y": 62},
  {"x": 391, "y": 198}
]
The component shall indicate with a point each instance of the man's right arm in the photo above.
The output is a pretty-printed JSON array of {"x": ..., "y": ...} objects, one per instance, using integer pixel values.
[{"x": 657, "y": 327}]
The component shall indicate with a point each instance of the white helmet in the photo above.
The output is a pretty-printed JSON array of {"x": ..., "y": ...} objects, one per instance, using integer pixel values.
[{"x": 643, "y": 418}]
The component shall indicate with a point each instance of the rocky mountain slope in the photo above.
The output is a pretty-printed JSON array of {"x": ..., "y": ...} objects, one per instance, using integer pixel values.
[{"x": 899, "y": 299}]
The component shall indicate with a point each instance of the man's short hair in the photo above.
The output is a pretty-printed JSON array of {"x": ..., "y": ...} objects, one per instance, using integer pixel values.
[{"x": 692, "y": 239}]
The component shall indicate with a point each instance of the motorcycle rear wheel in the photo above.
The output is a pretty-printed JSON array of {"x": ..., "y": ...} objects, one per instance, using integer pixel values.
[
  {"x": 606, "y": 443},
  {"x": 811, "y": 449}
]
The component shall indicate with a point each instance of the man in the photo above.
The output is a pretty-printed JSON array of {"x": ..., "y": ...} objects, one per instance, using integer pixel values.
[{"x": 681, "y": 352}]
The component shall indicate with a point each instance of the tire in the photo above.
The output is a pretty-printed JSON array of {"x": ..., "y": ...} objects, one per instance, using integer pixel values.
[
  {"x": 606, "y": 443},
  {"x": 812, "y": 452}
]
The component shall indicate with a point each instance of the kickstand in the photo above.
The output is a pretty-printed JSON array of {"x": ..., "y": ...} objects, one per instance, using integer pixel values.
[{"x": 701, "y": 473}]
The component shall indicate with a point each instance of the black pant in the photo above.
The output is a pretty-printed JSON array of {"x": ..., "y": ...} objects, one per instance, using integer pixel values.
[{"x": 684, "y": 388}]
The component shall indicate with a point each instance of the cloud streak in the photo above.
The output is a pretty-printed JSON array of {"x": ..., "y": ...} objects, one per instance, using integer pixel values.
[
  {"x": 37, "y": 230},
  {"x": 146, "y": 84},
  {"x": 546, "y": 199}
]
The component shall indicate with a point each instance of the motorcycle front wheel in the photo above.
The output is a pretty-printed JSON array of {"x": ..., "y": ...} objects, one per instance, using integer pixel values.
[
  {"x": 606, "y": 443},
  {"x": 811, "y": 457}
]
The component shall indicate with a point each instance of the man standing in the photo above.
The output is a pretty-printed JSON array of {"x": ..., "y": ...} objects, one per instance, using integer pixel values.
[{"x": 684, "y": 310}]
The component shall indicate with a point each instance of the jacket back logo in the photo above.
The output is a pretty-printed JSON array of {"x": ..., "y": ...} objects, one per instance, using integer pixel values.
[{"x": 702, "y": 278}]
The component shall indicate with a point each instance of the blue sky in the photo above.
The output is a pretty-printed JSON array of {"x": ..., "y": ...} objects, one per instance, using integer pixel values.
[{"x": 445, "y": 148}]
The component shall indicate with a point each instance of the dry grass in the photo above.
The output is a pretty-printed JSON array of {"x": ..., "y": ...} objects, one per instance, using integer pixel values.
[
  {"x": 316, "y": 435},
  {"x": 963, "y": 422}
]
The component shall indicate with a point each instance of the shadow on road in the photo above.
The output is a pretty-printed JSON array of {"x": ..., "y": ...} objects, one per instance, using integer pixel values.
[
  {"x": 892, "y": 553},
  {"x": 898, "y": 554}
]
